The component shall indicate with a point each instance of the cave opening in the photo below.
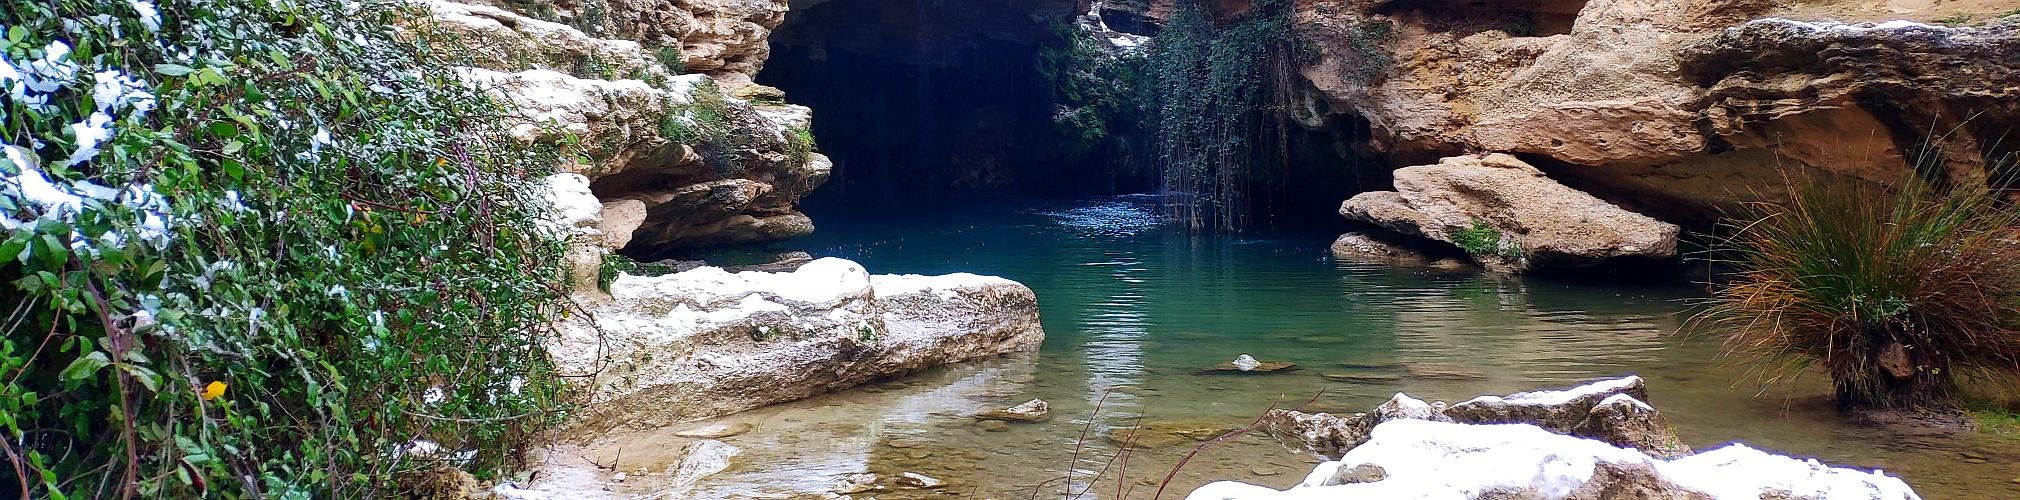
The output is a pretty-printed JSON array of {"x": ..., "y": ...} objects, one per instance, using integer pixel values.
[
  {"x": 1521, "y": 18},
  {"x": 931, "y": 100},
  {"x": 942, "y": 101}
]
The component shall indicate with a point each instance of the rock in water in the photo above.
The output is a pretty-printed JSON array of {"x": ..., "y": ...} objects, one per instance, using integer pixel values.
[
  {"x": 1248, "y": 364},
  {"x": 1030, "y": 411},
  {"x": 1629, "y": 423},
  {"x": 707, "y": 342},
  {"x": 1245, "y": 363},
  {"x": 917, "y": 480},
  {"x": 702, "y": 459},
  {"x": 716, "y": 431},
  {"x": 1426, "y": 459},
  {"x": 1510, "y": 216}
]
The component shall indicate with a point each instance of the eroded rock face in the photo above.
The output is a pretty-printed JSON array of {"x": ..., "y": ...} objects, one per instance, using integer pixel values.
[
  {"x": 1677, "y": 108},
  {"x": 707, "y": 342},
  {"x": 1510, "y": 216},
  {"x": 643, "y": 97},
  {"x": 1423, "y": 458},
  {"x": 1608, "y": 410}
]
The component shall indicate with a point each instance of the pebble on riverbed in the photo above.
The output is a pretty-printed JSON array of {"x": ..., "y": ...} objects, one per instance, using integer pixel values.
[{"x": 917, "y": 480}]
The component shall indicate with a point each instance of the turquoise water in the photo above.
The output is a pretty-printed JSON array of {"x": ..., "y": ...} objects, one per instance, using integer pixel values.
[{"x": 1134, "y": 311}]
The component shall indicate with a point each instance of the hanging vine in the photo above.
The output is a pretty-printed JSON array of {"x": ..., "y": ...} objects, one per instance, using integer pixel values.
[{"x": 1222, "y": 92}]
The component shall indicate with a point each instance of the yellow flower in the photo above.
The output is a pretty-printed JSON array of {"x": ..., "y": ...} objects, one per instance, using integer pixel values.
[{"x": 213, "y": 390}]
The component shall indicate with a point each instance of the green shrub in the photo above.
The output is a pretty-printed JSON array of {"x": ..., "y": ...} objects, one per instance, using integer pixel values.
[
  {"x": 307, "y": 253},
  {"x": 1896, "y": 293},
  {"x": 1482, "y": 239}
]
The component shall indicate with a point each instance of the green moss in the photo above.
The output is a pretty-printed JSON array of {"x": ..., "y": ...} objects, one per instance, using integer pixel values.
[{"x": 1957, "y": 20}]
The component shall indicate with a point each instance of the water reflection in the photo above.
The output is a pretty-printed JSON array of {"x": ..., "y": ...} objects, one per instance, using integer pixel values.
[{"x": 1132, "y": 306}]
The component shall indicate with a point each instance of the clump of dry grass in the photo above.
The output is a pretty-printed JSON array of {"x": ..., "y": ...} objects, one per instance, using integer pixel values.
[{"x": 1897, "y": 292}]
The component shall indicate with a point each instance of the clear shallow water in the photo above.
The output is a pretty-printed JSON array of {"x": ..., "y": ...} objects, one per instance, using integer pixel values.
[{"x": 1133, "y": 311}]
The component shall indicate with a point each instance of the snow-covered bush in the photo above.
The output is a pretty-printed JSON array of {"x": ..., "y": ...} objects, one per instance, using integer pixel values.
[{"x": 259, "y": 248}]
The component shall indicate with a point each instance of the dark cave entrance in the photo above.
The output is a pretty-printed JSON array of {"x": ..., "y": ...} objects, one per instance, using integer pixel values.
[
  {"x": 923, "y": 102},
  {"x": 930, "y": 100}
]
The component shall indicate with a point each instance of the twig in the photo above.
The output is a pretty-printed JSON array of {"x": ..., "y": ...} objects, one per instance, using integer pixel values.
[{"x": 1223, "y": 438}]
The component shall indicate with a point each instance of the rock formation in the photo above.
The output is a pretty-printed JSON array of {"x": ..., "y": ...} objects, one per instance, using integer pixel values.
[
  {"x": 1426, "y": 459},
  {"x": 706, "y": 342},
  {"x": 1594, "y": 441},
  {"x": 1608, "y": 410},
  {"x": 1678, "y": 110},
  {"x": 652, "y": 101},
  {"x": 1509, "y": 216}
]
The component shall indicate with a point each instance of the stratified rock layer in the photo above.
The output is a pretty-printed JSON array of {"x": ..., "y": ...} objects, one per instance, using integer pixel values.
[
  {"x": 652, "y": 101},
  {"x": 706, "y": 342}
]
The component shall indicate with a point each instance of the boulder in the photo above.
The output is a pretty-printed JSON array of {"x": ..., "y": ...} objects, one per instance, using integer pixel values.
[
  {"x": 1429, "y": 459},
  {"x": 1375, "y": 248},
  {"x": 1609, "y": 410},
  {"x": 707, "y": 342},
  {"x": 1626, "y": 422},
  {"x": 1559, "y": 411},
  {"x": 1510, "y": 216}
]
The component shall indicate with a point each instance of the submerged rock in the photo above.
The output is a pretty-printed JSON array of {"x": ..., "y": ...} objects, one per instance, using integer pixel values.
[
  {"x": 1410, "y": 458},
  {"x": 1029, "y": 411},
  {"x": 702, "y": 459},
  {"x": 917, "y": 480},
  {"x": 716, "y": 431},
  {"x": 706, "y": 342},
  {"x": 1375, "y": 248}
]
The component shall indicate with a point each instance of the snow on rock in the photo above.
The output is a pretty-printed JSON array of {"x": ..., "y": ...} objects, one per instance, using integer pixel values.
[
  {"x": 707, "y": 342},
  {"x": 1609, "y": 410},
  {"x": 1427, "y": 459}
]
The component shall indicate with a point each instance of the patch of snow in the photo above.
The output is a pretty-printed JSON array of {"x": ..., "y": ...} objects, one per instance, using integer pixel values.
[
  {"x": 1553, "y": 398},
  {"x": 576, "y": 209},
  {"x": 148, "y": 15},
  {"x": 1832, "y": 26},
  {"x": 942, "y": 286},
  {"x": 89, "y": 133},
  {"x": 1426, "y": 459},
  {"x": 1246, "y": 363},
  {"x": 1623, "y": 397}
]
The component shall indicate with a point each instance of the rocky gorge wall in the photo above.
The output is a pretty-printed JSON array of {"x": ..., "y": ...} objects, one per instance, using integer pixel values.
[
  {"x": 652, "y": 103},
  {"x": 1678, "y": 110}
]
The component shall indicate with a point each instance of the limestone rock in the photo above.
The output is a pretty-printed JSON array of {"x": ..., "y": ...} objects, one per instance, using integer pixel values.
[
  {"x": 1421, "y": 458},
  {"x": 1609, "y": 410},
  {"x": 1244, "y": 364},
  {"x": 1627, "y": 422},
  {"x": 1028, "y": 411},
  {"x": 703, "y": 458},
  {"x": 1372, "y": 248},
  {"x": 1558, "y": 411},
  {"x": 716, "y": 431},
  {"x": 1673, "y": 108},
  {"x": 706, "y": 342},
  {"x": 1509, "y": 215},
  {"x": 917, "y": 480}
]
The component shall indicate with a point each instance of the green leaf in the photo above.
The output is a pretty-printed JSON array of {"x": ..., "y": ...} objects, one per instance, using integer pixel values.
[
  {"x": 167, "y": 69},
  {"x": 224, "y": 130},
  {"x": 16, "y": 34},
  {"x": 85, "y": 366}
]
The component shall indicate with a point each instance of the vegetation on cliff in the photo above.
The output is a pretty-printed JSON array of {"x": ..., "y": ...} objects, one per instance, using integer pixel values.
[
  {"x": 1222, "y": 95},
  {"x": 1898, "y": 295},
  {"x": 260, "y": 249}
]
